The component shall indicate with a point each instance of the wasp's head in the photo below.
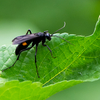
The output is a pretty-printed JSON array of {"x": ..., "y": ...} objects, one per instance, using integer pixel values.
[{"x": 47, "y": 35}]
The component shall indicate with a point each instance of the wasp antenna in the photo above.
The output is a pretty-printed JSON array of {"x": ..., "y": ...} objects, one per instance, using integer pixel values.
[
  {"x": 63, "y": 39},
  {"x": 60, "y": 28}
]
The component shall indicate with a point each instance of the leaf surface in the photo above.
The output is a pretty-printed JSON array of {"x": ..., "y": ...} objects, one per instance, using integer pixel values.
[{"x": 73, "y": 64}]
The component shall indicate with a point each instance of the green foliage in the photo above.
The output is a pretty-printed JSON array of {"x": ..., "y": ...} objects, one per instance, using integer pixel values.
[{"x": 73, "y": 64}]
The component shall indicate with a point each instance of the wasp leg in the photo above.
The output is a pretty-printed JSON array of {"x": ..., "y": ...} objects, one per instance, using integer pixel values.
[
  {"x": 49, "y": 49},
  {"x": 28, "y": 31},
  {"x": 18, "y": 57},
  {"x": 36, "y": 61}
]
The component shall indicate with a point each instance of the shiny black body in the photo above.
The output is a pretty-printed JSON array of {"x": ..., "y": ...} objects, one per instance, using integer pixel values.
[{"x": 30, "y": 38}]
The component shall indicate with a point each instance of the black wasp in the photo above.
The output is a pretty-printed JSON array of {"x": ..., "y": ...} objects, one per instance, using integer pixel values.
[{"x": 25, "y": 40}]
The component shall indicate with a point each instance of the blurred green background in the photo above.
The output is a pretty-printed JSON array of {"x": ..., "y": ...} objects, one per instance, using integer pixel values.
[{"x": 17, "y": 16}]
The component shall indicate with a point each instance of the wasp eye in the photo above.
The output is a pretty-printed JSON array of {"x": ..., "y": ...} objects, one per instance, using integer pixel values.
[
  {"x": 47, "y": 35},
  {"x": 24, "y": 43}
]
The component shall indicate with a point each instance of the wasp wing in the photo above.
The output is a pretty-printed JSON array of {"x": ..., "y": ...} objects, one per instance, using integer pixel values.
[{"x": 23, "y": 38}]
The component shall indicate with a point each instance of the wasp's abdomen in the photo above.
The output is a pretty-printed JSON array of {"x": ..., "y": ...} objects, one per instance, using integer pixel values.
[{"x": 21, "y": 47}]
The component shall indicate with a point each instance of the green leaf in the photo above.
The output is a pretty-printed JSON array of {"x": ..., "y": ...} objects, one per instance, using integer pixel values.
[
  {"x": 31, "y": 91},
  {"x": 73, "y": 64}
]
